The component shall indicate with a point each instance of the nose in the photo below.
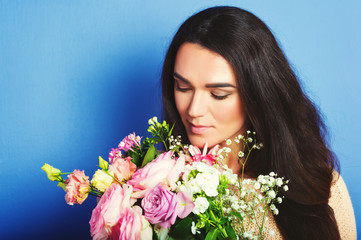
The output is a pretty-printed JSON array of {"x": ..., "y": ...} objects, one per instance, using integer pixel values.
[{"x": 197, "y": 106}]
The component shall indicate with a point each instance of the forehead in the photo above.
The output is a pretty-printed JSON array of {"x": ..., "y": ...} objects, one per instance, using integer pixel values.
[{"x": 199, "y": 64}]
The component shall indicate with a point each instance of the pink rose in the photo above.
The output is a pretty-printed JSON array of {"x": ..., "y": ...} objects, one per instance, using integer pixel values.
[
  {"x": 164, "y": 169},
  {"x": 122, "y": 168},
  {"x": 163, "y": 206},
  {"x": 129, "y": 141},
  {"x": 77, "y": 187},
  {"x": 198, "y": 156},
  {"x": 131, "y": 226},
  {"x": 109, "y": 210}
]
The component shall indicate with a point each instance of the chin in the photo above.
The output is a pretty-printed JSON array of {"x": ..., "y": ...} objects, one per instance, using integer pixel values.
[{"x": 199, "y": 141}]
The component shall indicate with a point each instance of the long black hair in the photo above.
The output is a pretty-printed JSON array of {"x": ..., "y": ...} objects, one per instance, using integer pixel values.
[{"x": 286, "y": 121}]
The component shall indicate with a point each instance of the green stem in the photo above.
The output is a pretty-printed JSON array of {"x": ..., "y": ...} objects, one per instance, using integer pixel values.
[{"x": 113, "y": 177}]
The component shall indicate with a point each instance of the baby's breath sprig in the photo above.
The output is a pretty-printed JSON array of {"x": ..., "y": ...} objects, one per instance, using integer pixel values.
[{"x": 248, "y": 143}]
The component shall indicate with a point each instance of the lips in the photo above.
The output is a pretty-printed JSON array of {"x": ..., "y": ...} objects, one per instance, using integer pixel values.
[{"x": 198, "y": 129}]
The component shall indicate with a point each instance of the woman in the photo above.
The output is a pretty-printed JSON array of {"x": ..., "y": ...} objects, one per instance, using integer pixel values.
[{"x": 223, "y": 74}]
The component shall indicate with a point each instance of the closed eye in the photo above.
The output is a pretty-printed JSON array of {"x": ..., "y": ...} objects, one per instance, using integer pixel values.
[
  {"x": 220, "y": 97},
  {"x": 181, "y": 88}
]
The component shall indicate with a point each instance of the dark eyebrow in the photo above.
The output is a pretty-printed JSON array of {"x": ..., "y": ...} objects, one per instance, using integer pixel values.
[
  {"x": 176, "y": 75},
  {"x": 210, "y": 85}
]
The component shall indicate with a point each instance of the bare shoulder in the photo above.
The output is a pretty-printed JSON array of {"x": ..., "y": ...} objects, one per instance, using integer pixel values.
[{"x": 341, "y": 204}]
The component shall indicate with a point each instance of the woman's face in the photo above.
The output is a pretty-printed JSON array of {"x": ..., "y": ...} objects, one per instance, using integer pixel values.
[{"x": 206, "y": 96}]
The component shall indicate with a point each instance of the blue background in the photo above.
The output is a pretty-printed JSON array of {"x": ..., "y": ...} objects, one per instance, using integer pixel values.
[{"x": 77, "y": 76}]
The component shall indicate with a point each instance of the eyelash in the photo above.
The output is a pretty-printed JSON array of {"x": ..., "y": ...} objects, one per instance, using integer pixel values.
[
  {"x": 220, "y": 97},
  {"x": 212, "y": 94}
]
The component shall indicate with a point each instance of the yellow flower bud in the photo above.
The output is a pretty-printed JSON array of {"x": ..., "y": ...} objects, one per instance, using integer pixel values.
[
  {"x": 103, "y": 164},
  {"x": 52, "y": 173},
  {"x": 101, "y": 180}
]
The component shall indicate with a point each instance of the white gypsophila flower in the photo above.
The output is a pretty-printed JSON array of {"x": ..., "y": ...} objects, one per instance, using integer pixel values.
[
  {"x": 243, "y": 194},
  {"x": 279, "y": 182},
  {"x": 262, "y": 179},
  {"x": 271, "y": 194},
  {"x": 240, "y": 154},
  {"x": 272, "y": 207},
  {"x": 264, "y": 188},
  {"x": 275, "y": 212},
  {"x": 250, "y": 139},
  {"x": 235, "y": 206},
  {"x": 227, "y": 150},
  {"x": 272, "y": 174},
  {"x": 271, "y": 181},
  {"x": 247, "y": 181},
  {"x": 201, "y": 204},
  {"x": 257, "y": 185},
  {"x": 228, "y": 141},
  {"x": 248, "y": 131},
  {"x": 260, "y": 209},
  {"x": 236, "y": 140},
  {"x": 285, "y": 188},
  {"x": 279, "y": 200}
]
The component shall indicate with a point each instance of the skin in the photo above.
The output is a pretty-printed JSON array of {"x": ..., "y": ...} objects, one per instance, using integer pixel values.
[{"x": 207, "y": 98}]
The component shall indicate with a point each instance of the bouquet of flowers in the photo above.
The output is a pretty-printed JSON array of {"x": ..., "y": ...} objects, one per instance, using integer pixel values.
[{"x": 177, "y": 193}]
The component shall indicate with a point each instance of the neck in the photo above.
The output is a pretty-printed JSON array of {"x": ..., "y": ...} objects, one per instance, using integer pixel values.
[{"x": 233, "y": 161}]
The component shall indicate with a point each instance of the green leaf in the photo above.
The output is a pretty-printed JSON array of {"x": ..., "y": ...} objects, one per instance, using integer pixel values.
[
  {"x": 182, "y": 229},
  {"x": 230, "y": 231},
  {"x": 237, "y": 214},
  {"x": 135, "y": 158},
  {"x": 149, "y": 156},
  {"x": 171, "y": 130},
  {"x": 212, "y": 235}
]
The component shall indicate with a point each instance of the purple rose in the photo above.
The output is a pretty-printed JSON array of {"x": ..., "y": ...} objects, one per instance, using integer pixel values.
[{"x": 163, "y": 206}]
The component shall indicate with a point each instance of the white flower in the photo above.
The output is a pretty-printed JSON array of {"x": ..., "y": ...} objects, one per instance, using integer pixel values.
[
  {"x": 262, "y": 179},
  {"x": 257, "y": 185},
  {"x": 271, "y": 233},
  {"x": 202, "y": 167},
  {"x": 279, "y": 182},
  {"x": 230, "y": 177},
  {"x": 228, "y": 141},
  {"x": 279, "y": 200},
  {"x": 240, "y": 154},
  {"x": 272, "y": 207},
  {"x": 210, "y": 190},
  {"x": 285, "y": 188},
  {"x": 271, "y": 181},
  {"x": 193, "y": 186},
  {"x": 194, "y": 229},
  {"x": 201, "y": 205},
  {"x": 272, "y": 174},
  {"x": 227, "y": 150}
]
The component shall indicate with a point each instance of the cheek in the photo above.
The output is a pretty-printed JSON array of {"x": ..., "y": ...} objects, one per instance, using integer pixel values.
[
  {"x": 181, "y": 103},
  {"x": 230, "y": 113}
]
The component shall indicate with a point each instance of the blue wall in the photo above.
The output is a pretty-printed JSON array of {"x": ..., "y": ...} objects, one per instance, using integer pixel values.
[{"x": 77, "y": 76}]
